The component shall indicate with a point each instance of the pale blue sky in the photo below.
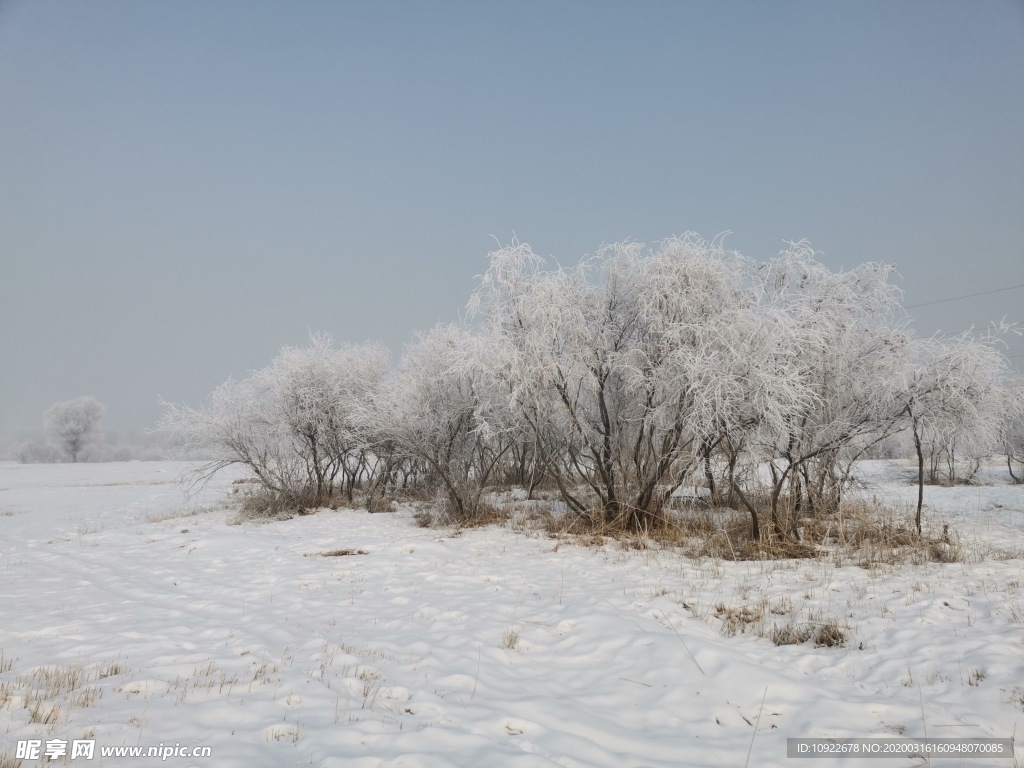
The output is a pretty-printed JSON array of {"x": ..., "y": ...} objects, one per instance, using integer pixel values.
[{"x": 186, "y": 186}]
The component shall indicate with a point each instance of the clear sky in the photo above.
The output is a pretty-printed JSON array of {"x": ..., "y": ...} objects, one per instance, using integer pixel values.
[{"x": 185, "y": 186}]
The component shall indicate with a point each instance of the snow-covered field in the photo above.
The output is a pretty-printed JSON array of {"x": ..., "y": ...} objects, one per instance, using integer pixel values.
[{"x": 132, "y": 616}]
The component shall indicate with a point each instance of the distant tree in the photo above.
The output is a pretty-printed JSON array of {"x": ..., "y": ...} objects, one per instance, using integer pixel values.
[{"x": 70, "y": 424}]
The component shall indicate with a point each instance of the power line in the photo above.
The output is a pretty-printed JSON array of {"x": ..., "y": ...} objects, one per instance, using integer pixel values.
[{"x": 965, "y": 296}]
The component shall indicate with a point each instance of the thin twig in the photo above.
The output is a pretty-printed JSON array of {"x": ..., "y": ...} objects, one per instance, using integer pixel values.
[
  {"x": 648, "y": 685},
  {"x": 684, "y": 643},
  {"x": 924, "y": 723},
  {"x": 477, "y": 678},
  {"x": 757, "y": 722}
]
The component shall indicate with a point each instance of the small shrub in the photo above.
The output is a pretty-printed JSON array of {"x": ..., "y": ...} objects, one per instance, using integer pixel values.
[{"x": 36, "y": 453}]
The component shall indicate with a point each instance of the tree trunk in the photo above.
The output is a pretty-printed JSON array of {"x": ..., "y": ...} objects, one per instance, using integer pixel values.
[
  {"x": 755, "y": 527},
  {"x": 709, "y": 476},
  {"x": 920, "y": 479}
]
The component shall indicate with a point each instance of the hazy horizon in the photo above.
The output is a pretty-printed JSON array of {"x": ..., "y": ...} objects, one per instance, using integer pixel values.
[{"x": 186, "y": 187}]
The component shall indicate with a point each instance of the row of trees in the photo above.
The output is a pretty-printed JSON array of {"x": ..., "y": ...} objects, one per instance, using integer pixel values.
[{"x": 618, "y": 380}]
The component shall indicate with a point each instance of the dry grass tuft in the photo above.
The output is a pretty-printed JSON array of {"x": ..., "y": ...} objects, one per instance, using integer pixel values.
[
  {"x": 43, "y": 714},
  {"x": 510, "y": 640},
  {"x": 738, "y": 620},
  {"x": 343, "y": 552},
  {"x": 860, "y": 531},
  {"x": 159, "y": 517},
  {"x": 874, "y": 535},
  {"x": 412, "y": 494},
  {"x": 446, "y": 514},
  {"x": 593, "y": 530},
  {"x": 1017, "y": 697},
  {"x": 380, "y": 504},
  {"x": 52, "y": 682},
  {"x": 698, "y": 524},
  {"x": 486, "y": 514},
  {"x": 791, "y": 634},
  {"x": 291, "y": 733},
  {"x": 112, "y": 670},
  {"x": 772, "y": 549},
  {"x": 827, "y": 634},
  {"x": 85, "y": 697},
  {"x": 47, "y": 694},
  {"x": 263, "y": 505},
  {"x": 699, "y": 530}
]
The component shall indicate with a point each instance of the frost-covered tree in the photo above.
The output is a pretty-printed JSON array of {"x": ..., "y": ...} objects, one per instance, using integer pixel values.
[
  {"x": 635, "y": 357},
  {"x": 846, "y": 337},
  {"x": 961, "y": 400},
  {"x": 1013, "y": 441},
  {"x": 443, "y": 408},
  {"x": 316, "y": 392},
  {"x": 236, "y": 425},
  {"x": 71, "y": 424},
  {"x": 295, "y": 424},
  {"x": 618, "y": 379}
]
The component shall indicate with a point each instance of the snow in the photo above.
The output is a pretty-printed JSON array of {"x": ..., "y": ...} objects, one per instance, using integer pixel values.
[{"x": 492, "y": 646}]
